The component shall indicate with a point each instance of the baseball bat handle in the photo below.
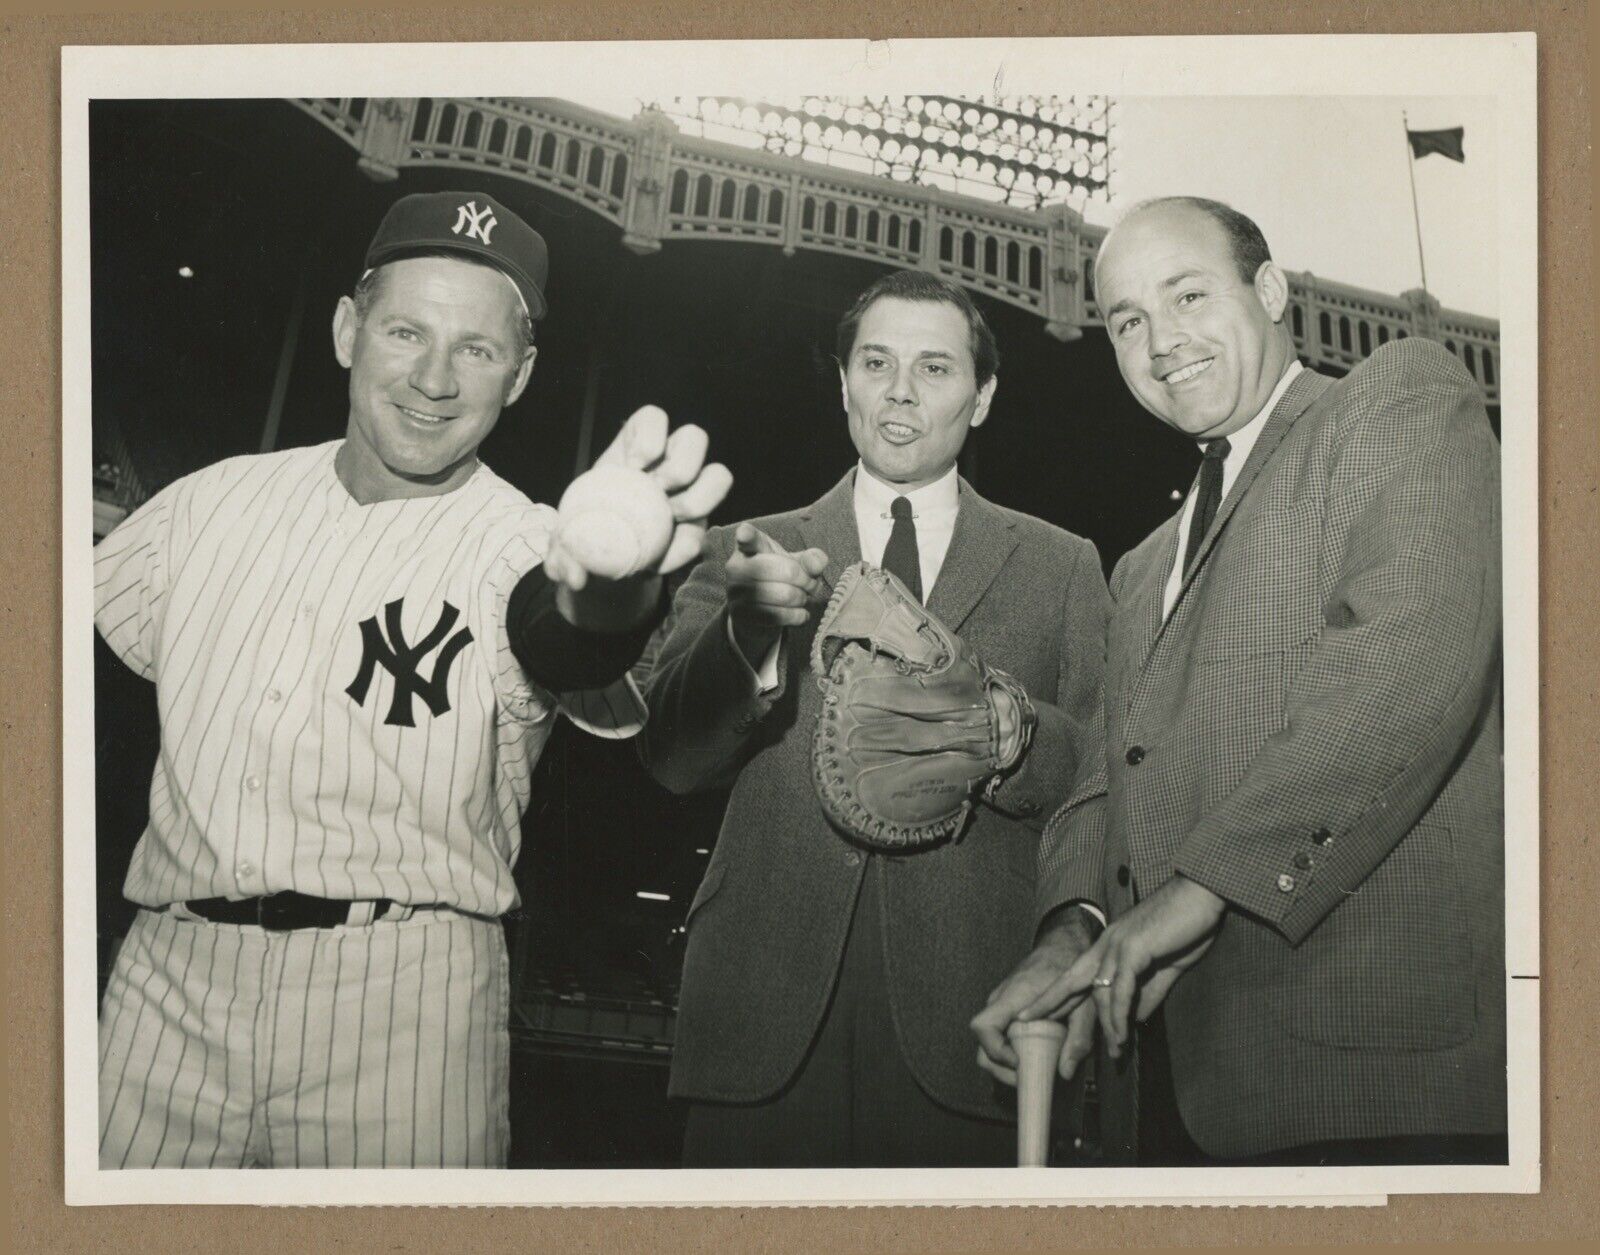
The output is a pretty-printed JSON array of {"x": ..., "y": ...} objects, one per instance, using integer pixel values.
[{"x": 1038, "y": 1047}]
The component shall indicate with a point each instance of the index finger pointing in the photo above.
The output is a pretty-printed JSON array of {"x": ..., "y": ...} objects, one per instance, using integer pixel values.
[
  {"x": 813, "y": 560},
  {"x": 751, "y": 540},
  {"x": 776, "y": 568}
]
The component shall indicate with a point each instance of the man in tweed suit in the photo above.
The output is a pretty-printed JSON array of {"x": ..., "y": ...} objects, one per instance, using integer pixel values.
[
  {"x": 826, "y": 991},
  {"x": 1296, "y": 827}
]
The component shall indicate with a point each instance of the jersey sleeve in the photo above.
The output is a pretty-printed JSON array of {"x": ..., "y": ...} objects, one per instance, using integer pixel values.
[
  {"x": 132, "y": 567},
  {"x": 615, "y": 713},
  {"x": 520, "y": 700}
]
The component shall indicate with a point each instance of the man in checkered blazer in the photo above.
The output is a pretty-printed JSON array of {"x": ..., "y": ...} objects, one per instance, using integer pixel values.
[{"x": 1295, "y": 829}]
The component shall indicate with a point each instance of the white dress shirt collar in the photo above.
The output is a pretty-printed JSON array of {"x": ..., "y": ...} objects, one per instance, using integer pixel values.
[
  {"x": 1242, "y": 441},
  {"x": 873, "y": 497},
  {"x": 934, "y": 508}
]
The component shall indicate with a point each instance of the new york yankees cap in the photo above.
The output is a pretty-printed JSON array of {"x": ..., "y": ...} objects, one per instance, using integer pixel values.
[{"x": 471, "y": 223}]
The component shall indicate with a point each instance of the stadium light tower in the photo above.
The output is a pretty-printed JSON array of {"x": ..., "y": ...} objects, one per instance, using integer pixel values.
[{"x": 1021, "y": 150}]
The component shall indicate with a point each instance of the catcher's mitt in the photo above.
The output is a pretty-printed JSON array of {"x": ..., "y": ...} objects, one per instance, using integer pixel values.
[{"x": 909, "y": 731}]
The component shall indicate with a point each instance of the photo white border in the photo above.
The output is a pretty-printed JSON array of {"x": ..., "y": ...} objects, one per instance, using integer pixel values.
[{"x": 1231, "y": 65}]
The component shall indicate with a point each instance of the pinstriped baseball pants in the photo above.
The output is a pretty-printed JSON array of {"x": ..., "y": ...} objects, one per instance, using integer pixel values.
[{"x": 230, "y": 1046}]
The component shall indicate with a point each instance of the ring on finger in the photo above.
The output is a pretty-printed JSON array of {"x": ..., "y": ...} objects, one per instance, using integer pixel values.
[{"x": 1102, "y": 982}]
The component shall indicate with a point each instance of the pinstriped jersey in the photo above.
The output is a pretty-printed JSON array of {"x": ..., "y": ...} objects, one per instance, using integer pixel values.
[{"x": 341, "y": 713}]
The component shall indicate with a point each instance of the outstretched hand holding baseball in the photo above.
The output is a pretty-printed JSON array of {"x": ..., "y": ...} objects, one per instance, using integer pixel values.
[{"x": 639, "y": 514}]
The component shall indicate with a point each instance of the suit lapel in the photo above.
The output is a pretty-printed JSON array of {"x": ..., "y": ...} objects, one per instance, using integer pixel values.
[
  {"x": 1308, "y": 385},
  {"x": 1148, "y": 592},
  {"x": 829, "y": 524},
  {"x": 983, "y": 539}
]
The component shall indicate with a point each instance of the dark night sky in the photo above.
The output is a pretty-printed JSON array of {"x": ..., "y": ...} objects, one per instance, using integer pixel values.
[{"x": 258, "y": 199}]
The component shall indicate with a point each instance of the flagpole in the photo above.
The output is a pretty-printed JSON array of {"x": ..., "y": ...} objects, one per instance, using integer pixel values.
[{"x": 1411, "y": 173}]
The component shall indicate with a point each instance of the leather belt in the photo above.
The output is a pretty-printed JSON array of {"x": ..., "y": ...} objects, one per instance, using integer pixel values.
[{"x": 282, "y": 912}]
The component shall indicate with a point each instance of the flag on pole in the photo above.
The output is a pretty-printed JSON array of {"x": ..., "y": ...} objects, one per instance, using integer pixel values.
[{"x": 1445, "y": 143}]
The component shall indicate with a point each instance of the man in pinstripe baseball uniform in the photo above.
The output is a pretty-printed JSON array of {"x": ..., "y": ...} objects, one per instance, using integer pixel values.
[
  {"x": 1295, "y": 826},
  {"x": 359, "y": 650}
]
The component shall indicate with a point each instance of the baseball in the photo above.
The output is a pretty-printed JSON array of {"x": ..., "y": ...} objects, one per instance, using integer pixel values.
[{"x": 615, "y": 521}]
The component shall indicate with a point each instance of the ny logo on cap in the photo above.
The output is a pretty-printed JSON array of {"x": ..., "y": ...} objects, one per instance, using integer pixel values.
[{"x": 474, "y": 221}]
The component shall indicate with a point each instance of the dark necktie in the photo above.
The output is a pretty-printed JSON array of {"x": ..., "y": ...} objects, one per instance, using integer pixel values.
[
  {"x": 1206, "y": 499},
  {"x": 900, "y": 554}
]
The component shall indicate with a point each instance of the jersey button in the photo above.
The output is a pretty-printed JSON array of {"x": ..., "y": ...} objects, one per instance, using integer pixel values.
[
  {"x": 308, "y": 608},
  {"x": 245, "y": 869},
  {"x": 273, "y": 695},
  {"x": 253, "y": 783}
]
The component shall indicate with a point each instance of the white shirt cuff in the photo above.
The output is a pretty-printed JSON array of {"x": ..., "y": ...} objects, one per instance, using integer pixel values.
[{"x": 764, "y": 677}]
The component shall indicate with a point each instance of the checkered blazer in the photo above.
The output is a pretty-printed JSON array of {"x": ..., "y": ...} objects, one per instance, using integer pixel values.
[
  {"x": 1314, "y": 733},
  {"x": 767, "y": 927}
]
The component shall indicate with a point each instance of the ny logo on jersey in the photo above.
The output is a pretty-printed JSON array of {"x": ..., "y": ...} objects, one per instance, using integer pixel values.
[
  {"x": 400, "y": 660},
  {"x": 477, "y": 223}
]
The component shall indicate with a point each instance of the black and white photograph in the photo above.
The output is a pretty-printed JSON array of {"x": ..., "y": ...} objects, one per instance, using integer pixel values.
[{"x": 742, "y": 622}]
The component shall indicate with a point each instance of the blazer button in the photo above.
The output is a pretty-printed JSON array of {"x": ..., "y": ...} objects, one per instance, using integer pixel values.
[
  {"x": 851, "y": 858},
  {"x": 1124, "y": 875},
  {"x": 1135, "y": 755},
  {"x": 1322, "y": 836},
  {"x": 1302, "y": 861},
  {"x": 1286, "y": 883}
]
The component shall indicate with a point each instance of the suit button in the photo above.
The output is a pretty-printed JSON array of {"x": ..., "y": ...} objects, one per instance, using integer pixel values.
[
  {"x": 852, "y": 859},
  {"x": 1135, "y": 755},
  {"x": 1286, "y": 883},
  {"x": 1322, "y": 836},
  {"x": 1028, "y": 808},
  {"x": 1124, "y": 875},
  {"x": 1302, "y": 861}
]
